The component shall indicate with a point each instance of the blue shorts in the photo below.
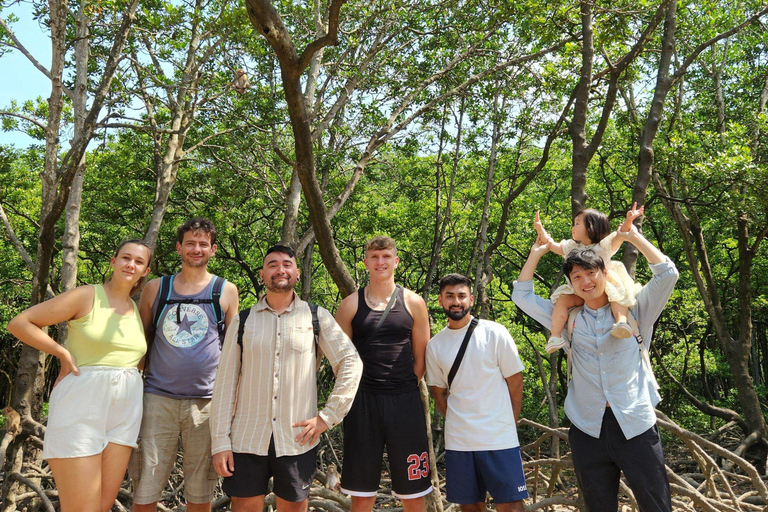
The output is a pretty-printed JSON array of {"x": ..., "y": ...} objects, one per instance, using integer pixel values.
[{"x": 469, "y": 475}]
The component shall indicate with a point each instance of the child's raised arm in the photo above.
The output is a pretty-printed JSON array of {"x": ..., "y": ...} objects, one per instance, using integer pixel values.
[
  {"x": 543, "y": 235},
  {"x": 626, "y": 226}
]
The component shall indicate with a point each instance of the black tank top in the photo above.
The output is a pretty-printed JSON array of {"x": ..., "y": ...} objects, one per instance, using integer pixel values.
[{"x": 388, "y": 359}]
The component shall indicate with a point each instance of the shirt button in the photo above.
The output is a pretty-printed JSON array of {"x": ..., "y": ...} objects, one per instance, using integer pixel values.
[
  {"x": 277, "y": 353},
  {"x": 274, "y": 419}
]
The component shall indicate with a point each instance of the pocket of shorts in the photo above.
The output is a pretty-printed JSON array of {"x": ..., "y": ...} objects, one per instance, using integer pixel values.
[
  {"x": 134, "y": 465},
  {"x": 212, "y": 474},
  {"x": 57, "y": 390},
  {"x": 301, "y": 339}
]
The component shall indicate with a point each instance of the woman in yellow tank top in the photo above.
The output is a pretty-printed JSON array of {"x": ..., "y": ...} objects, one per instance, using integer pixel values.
[{"x": 95, "y": 406}]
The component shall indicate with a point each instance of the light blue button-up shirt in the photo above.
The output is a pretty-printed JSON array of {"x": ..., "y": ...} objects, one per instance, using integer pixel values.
[{"x": 607, "y": 369}]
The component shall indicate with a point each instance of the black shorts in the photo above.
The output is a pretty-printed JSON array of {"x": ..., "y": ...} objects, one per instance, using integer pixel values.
[
  {"x": 398, "y": 422},
  {"x": 292, "y": 474}
]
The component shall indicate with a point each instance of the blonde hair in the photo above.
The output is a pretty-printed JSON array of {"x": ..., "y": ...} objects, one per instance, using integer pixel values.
[{"x": 380, "y": 243}]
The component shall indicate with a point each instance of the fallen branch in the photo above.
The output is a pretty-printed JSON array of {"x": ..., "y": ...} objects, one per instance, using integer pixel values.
[{"x": 38, "y": 490}]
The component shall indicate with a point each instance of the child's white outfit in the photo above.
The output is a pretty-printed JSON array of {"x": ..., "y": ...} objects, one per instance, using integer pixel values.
[{"x": 619, "y": 287}]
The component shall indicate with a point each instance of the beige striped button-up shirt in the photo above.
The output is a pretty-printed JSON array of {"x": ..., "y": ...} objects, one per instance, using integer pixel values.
[{"x": 277, "y": 379}]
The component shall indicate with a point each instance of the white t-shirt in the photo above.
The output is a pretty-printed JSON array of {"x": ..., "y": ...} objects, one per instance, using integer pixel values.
[{"x": 479, "y": 414}]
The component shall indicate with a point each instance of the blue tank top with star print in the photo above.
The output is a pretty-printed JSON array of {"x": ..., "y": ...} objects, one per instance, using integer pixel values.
[{"x": 186, "y": 349}]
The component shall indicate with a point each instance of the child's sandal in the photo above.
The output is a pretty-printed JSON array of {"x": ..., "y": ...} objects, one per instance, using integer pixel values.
[
  {"x": 621, "y": 330},
  {"x": 555, "y": 343}
]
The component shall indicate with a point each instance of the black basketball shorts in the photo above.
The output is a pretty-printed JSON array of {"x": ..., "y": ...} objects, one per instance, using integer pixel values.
[{"x": 394, "y": 421}]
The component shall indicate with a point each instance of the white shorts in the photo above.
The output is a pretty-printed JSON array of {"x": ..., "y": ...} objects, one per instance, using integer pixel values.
[{"x": 86, "y": 412}]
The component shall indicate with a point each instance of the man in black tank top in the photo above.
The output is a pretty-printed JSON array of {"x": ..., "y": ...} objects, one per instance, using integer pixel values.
[{"x": 387, "y": 410}]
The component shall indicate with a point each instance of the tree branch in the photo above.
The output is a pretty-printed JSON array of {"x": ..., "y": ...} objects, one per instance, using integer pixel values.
[
  {"x": 329, "y": 39},
  {"x": 21, "y": 116},
  {"x": 16, "y": 242},
  {"x": 706, "y": 44},
  {"x": 38, "y": 490},
  {"x": 30, "y": 57}
]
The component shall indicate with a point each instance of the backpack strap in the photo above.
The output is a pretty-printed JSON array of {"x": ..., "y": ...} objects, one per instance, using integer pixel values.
[
  {"x": 315, "y": 325},
  {"x": 240, "y": 330},
  {"x": 316, "y": 333},
  {"x": 644, "y": 355},
  {"x": 218, "y": 286},
  {"x": 572, "y": 314},
  {"x": 164, "y": 295}
]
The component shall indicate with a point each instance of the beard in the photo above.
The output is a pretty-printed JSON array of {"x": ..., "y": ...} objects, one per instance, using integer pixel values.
[
  {"x": 456, "y": 314},
  {"x": 279, "y": 285}
]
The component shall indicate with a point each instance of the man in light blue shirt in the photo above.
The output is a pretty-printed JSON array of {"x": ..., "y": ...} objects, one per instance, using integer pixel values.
[{"x": 611, "y": 395}]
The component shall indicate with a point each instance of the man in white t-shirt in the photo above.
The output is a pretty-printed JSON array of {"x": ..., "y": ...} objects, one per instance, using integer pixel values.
[{"x": 486, "y": 394}]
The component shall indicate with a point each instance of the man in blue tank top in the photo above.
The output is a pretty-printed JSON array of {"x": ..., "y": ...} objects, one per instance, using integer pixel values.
[
  {"x": 187, "y": 313},
  {"x": 387, "y": 410}
]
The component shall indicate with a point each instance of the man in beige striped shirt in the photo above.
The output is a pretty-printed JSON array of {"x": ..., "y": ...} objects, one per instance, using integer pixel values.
[{"x": 269, "y": 425}]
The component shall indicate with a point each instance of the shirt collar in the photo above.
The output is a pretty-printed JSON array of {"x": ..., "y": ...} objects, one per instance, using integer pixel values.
[
  {"x": 593, "y": 312},
  {"x": 262, "y": 304}
]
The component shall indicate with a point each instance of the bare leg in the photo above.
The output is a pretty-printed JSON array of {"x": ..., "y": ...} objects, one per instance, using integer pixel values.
[
  {"x": 513, "y": 506},
  {"x": 149, "y": 507},
  {"x": 78, "y": 481},
  {"x": 362, "y": 503},
  {"x": 560, "y": 314},
  {"x": 473, "y": 507},
  {"x": 415, "y": 505},
  {"x": 114, "y": 462},
  {"x": 252, "y": 504},
  {"x": 619, "y": 312},
  {"x": 291, "y": 506},
  {"x": 559, "y": 319},
  {"x": 198, "y": 507}
]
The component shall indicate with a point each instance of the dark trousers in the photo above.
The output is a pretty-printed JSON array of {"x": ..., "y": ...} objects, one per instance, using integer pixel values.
[{"x": 599, "y": 462}]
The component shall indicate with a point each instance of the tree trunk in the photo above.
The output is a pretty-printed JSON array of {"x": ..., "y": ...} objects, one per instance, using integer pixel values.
[
  {"x": 306, "y": 273},
  {"x": 444, "y": 212},
  {"x": 265, "y": 18},
  {"x": 481, "y": 293},
  {"x": 645, "y": 156},
  {"x": 577, "y": 127},
  {"x": 166, "y": 175},
  {"x": 434, "y": 499}
]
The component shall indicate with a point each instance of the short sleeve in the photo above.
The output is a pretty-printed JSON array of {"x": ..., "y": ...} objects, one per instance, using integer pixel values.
[
  {"x": 435, "y": 375},
  {"x": 506, "y": 353},
  {"x": 605, "y": 246},
  {"x": 567, "y": 246}
]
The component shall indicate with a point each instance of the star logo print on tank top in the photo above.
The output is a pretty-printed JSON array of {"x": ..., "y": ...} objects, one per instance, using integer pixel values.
[{"x": 192, "y": 328}]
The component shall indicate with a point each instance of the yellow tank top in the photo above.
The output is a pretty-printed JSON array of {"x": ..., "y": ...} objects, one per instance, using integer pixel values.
[{"x": 105, "y": 338}]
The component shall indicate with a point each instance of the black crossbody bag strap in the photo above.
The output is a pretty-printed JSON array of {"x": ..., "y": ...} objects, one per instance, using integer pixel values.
[
  {"x": 462, "y": 349},
  {"x": 391, "y": 303}
]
